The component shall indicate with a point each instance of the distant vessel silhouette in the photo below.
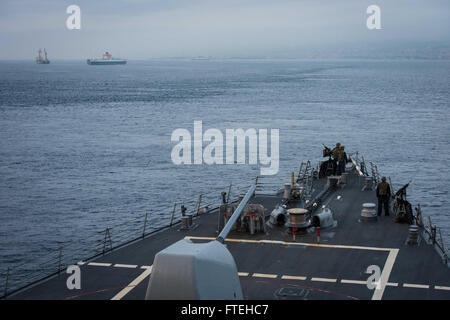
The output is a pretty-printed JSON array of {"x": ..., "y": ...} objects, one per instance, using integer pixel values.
[
  {"x": 106, "y": 59},
  {"x": 40, "y": 59},
  {"x": 200, "y": 58}
]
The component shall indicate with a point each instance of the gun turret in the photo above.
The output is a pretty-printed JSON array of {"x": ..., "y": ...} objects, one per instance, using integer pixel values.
[
  {"x": 402, "y": 191},
  {"x": 326, "y": 151}
]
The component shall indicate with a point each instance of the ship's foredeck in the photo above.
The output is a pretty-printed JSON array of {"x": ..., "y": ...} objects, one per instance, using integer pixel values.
[{"x": 275, "y": 266}]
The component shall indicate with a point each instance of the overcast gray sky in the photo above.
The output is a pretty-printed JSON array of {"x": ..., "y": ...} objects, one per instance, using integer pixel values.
[{"x": 141, "y": 29}]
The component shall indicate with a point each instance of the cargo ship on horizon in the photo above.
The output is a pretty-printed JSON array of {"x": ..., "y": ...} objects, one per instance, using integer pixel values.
[
  {"x": 106, "y": 59},
  {"x": 40, "y": 59}
]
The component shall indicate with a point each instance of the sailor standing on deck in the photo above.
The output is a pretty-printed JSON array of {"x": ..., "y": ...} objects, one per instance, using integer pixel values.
[
  {"x": 335, "y": 155},
  {"x": 342, "y": 159},
  {"x": 383, "y": 195}
]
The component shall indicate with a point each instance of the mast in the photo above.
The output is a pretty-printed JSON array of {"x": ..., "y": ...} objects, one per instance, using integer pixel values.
[{"x": 45, "y": 53}]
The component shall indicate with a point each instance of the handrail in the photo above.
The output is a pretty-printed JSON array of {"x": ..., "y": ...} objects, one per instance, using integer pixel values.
[
  {"x": 431, "y": 233},
  {"x": 102, "y": 241},
  {"x": 58, "y": 259},
  {"x": 418, "y": 217}
]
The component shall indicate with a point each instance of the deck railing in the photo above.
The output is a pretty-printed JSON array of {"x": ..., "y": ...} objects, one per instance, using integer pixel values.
[
  {"x": 20, "y": 276},
  {"x": 430, "y": 231},
  {"x": 270, "y": 184}
]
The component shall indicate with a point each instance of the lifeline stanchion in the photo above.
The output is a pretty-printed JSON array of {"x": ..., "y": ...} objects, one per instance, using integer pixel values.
[
  {"x": 432, "y": 231},
  {"x": 107, "y": 235},
  {"x": 145, "y": 224},
  {"x": 444, "y": 252},
  {"x": 228, "y": 195},
  {"x": 173, "y": 212},
  {"x": 59, "y": 259},
  {"x": 198, "y": 203},
  {"x": 6, "y": 282}
]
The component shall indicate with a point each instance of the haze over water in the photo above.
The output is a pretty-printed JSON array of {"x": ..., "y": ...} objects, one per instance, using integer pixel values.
[{"x": 84, "y": 148}]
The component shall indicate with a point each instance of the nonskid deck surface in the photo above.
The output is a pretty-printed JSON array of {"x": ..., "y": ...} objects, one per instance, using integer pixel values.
[{"x": 275, "y": 266}]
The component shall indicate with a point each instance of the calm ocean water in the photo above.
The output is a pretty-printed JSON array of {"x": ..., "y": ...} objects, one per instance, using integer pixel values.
[{"x": 84, "y": 147}]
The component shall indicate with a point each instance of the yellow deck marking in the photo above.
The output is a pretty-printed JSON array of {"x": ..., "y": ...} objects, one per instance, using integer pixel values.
[
  {"x": 294, "y": 243},
  {"x": 387, "y": 269},
  {"x": 377, "y": 294},
  {"x": 242, "y": 240},
  {"x": 272, "y": 241},
  {"x": 264, "y": 275},
  {"x": 286, "y": 277},
  {"x": 133, "y": 284}
]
